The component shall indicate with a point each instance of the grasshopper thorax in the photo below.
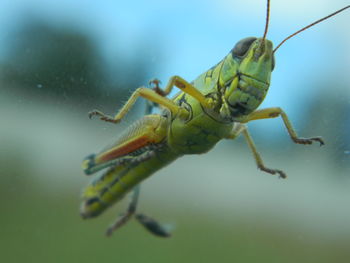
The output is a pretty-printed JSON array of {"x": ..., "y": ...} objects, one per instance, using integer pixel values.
[{"x": 245, "y": 77}]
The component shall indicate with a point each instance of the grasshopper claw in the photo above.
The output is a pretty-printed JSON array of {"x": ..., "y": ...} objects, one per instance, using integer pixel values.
[
  {"x": 309, "y": 140},
  {"x": 94, "y": 112},
  {"x": 90, "y": 114},
  {"x": 281, "y": 174},
  {"x": 155, "y": 85},
  {"x": 156, "y": 82},
  {"x": 318, "y": 139}
]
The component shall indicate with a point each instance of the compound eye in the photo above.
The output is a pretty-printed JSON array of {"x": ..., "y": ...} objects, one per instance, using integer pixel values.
[
  {"x": 273, "y": 62},
  {"x": 241, "y": 48}
]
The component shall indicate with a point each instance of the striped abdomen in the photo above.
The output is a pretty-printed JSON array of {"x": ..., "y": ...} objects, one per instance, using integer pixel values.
[{"x": 118, "y": 181}]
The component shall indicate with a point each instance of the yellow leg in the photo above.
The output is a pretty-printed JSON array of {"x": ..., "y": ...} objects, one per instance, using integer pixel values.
[
  {"x": 149, "y": 95},
  {"x": 275, "y": 112},
  {"x": 157, "y": 95},
  {"x": 257, "y": 157},
  {"x": 189, "y": 89},
  {"x": 241, "y": 128},
  {"x": 237, "y": 129},
  {"x": 185, "y": 87}
]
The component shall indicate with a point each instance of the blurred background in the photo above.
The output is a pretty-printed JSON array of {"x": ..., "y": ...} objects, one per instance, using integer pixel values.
[{"x": 60, "y": 59}]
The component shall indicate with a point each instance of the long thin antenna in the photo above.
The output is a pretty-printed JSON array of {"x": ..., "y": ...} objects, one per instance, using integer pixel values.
[
  {"x": 312, "y": 24},
  {"x": 267, "y": 19}
]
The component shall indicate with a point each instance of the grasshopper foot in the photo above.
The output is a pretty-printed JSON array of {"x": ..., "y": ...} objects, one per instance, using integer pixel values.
[
  {"x": 153, "y": 226},
  {"x": 280, "y": 173},
  {"x": 309, "y": 140},
  {"x": 155, "y": 85},
  {"x": 102, "y": 116}
]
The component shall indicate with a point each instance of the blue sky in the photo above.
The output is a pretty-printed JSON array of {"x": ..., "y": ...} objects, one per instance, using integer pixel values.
[{"x": 194, "y": 35}]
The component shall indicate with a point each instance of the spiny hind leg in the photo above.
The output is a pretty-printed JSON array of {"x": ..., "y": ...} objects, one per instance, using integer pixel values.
[
  {"x": 125, "y": 217},
  {"x": 148, "y": 94},
  {"x": 90, "y": 167},
  {"x": 241, "y": 128},
  {"x": 276, "y": 112},
  {"x": 153, "y": 226},
  {"x": 150, "y": 224}
]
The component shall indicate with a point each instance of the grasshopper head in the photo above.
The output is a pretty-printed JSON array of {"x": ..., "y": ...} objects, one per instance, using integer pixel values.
[
  {"x": 246, "y": 72},
  {"x": 256, "y": 59},
  {"x": 249, "y": 66}
]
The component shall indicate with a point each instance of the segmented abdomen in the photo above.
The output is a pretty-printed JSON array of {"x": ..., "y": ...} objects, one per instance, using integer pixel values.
[{"x": 118, "y": 181}]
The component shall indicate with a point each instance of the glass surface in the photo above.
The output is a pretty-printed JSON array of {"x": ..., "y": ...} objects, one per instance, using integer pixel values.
[{"x": 61, "y": 59}]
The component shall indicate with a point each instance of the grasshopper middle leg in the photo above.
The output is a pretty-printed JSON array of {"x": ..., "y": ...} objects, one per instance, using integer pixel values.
[
  {"x": 158, "y": 96},
  {"x": 276, "y": 112},
  {"x": 147, "y": 94}
]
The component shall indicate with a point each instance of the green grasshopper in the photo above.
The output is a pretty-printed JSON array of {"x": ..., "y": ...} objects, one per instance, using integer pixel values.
[{"x": 215, "y": 106}]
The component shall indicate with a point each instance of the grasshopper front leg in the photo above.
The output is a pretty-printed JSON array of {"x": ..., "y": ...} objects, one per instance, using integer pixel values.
[{"x": 276, "y": 112}]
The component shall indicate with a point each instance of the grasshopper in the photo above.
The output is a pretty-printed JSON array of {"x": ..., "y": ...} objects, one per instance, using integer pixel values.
[{"x": 216, "y": 105}]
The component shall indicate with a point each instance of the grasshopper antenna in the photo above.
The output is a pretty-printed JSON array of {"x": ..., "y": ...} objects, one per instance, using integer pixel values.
[
  {"x": 312, "y": 24},
  {"x": 267, "y": 19}
]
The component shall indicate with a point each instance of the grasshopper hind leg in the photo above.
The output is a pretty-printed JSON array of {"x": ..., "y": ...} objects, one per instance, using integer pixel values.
[
  {"x": 125, "y": 217},
  {"x": 149, "y": 223},
  {"x": 153, "y": 226}
]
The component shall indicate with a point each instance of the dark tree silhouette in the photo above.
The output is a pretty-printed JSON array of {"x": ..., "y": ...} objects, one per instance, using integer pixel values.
[{"x": 64, "y": 65}]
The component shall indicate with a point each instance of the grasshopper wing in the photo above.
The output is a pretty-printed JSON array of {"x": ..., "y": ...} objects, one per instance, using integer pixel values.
[{"x": 145, "y": 133}]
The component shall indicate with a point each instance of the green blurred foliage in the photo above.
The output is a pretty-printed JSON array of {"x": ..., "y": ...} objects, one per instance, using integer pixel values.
[{"x": 36, "y": 227}]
